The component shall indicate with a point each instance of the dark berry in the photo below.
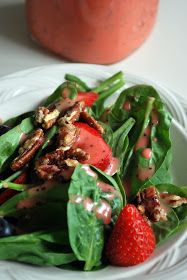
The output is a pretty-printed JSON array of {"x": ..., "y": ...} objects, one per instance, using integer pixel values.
[
  {"x": 4, "y": 129},
  {"x": 6, "y": 229}
]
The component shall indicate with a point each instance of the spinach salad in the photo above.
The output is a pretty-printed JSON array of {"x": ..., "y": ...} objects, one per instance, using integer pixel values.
[{"x": 68, "y": 169}]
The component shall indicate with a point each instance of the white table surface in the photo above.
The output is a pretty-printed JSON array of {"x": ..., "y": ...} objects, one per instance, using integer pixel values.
[{"x": 162, "y": 58}]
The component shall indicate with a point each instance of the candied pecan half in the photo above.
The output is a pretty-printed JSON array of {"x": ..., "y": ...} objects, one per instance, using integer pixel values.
[
  {"x": 49, "y": 165},
  {"x": 59, "y": 164},
  {"x": 77, "y": 154},
  {"x": 72, "y": 115},
  {"x": 173, "y": 200},
  {"x": 67, "y": 135},
  {"x": 68, "y": 169},
  {"x": 149, "y": 204},
  {"x": 86, "y": 117},
  {"x": 46, "y": 117},
  {"x": 28, "y": 150}
]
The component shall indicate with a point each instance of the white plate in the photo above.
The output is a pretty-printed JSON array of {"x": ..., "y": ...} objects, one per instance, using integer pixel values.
[{"x": 23, "y": 91}]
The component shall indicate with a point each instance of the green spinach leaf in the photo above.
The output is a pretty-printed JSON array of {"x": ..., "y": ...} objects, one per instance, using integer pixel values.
[
  {"x": 85, "y": 224},
  {"x": 39, "y": 248},
  {"x": 86, "y": 231},
  {"x": 163, "y": 230},
  {"x": 9, "y": 142},
  {"x": 146, "y": 107}
]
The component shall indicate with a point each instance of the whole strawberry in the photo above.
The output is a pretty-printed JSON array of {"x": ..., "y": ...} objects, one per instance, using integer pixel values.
[{"x": 132, "y": 240}]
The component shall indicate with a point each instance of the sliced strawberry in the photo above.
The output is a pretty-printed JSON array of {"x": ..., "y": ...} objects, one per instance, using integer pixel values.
[
  {"x": 21, "y": 179},
  {"x": 132, "y": 240},
  {"x": 91, "y": 142},
  {"x": 88, "y": 97},
  {"x": 6, "y": 194}
]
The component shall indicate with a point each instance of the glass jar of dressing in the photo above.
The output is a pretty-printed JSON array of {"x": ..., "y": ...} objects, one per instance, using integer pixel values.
[{"x": 94, "y": 31}]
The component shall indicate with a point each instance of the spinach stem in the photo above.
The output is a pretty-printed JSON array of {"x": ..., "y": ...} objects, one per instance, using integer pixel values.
[
  {"x": 150, "y": 101},
  {"x": 13, "y": 176},
  {"x": 108, "y": 82},
  {"x": 82, "y": 85},
  {"x": 49, "y": 135},
  {"x": 108, "y": 92},
  {"x": 14, "y": 186}
]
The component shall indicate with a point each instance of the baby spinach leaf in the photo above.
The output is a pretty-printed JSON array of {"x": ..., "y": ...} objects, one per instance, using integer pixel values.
[
  {"x": 121, "y": 142},
  {"x": 117, "y": 178},
  {"x": 163, "y": 230},
  {"x": 39, "y": 248},
  {"x": 180, "y": 211},
  {"x": 108, "y": 134},
  {"x": 173, "y": 189},
  {"x": 38, "y": 208},
  {"x": 9, "y": 142},
  {"x": 47, "y": 192},
  {"x": 143, "y": 102},
  {"x": 119, "y": 198},
  {"x": 136, "y": 97},
  {"x": 57, "y": 94},
  {"x": 86, "y": 231}
]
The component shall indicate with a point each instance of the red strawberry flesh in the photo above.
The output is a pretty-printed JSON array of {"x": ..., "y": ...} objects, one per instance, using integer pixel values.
[
  {"x": 88, "y": 97},
  {"x": 92, "y": 143},
  {"x": 132, "y": 240}
]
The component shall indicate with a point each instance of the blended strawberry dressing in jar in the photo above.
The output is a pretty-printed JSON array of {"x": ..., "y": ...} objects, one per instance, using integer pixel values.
[{"x": 95, "y": 31}]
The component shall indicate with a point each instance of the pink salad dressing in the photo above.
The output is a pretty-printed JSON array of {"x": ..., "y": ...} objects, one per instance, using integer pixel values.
[
  {"x": 45, "y": 186},
  {"x": 23, "y": 138},
  {"x": 64, "y": 104},
  {"x": 32, "y": 200},
  {"x": 88, "y": 204},
  {"x": 146, "y": 153},
  {"x": 127, "y": 106},
  {"x": 127, "y": 186},
  {"x": 113, "y": 166},
  {"x": 89, "y": 171},
  {"x": 111, "y": 191},
  {"x": 143, "y": 141},
  {"x": 102, "y": 209},
  {"x": 154, "y": 117},
  {"x": 26, "y": 203},
  {"x": 145, "y": 173}
]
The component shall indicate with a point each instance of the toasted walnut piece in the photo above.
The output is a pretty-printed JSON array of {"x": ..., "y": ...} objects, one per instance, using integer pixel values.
[
  {"x": 173, "y": 200},
  {"x": 72, "y": 115},
  {"x": 149, "y": 204},
  {"x": 86, "y": 117},
  {"x": 28, "y": 150},
  {"x": 67, "y": 135},
  {"x": 46, "y": 117}
]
